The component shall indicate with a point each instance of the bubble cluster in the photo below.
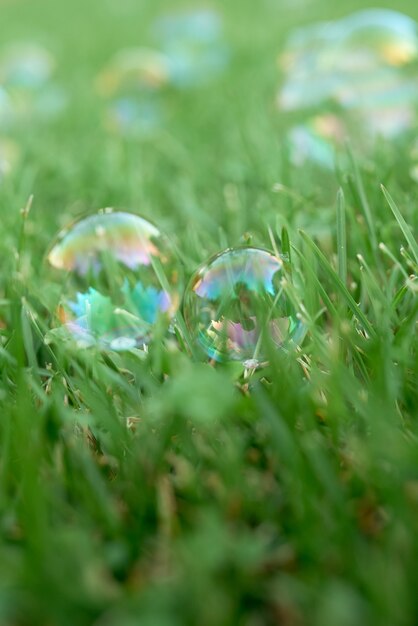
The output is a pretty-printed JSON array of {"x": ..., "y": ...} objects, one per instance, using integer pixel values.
[
  {"x": 235, "y": 305},
  {"x": 360, "y": 69},
  {"x": 118, "y": 278}
]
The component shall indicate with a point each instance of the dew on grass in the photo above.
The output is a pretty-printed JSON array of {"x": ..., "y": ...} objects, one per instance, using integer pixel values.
[
  {"x": 194, "y": 46},
  {"x": 118, "y": 277},
  {"x": 361, "y": 69},
  {"x": 234, "y": 306}
]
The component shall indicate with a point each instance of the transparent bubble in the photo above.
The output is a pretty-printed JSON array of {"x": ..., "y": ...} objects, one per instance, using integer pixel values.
[
  {"x": 25, "y": 66},
  {"x": 234, "y": 306},
  {"x": 26, "y": 71},
  {"x": 193, "y": 45},
  {"x": 119, "y": 279},
  {"x": 316, "y": 140},
  {"x": 362, "y": 69},
  {"x": 130, "y": 85},
  {"x": 134, "y": 117},
  {"x": 133, "y": 70}
]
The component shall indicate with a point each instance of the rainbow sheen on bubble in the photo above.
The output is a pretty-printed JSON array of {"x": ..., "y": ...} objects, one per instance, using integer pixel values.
[
  {"x": 120, "y": 280},
  {"x": 26, "y": 66},
  {"x": 131, "y": 85},
  {"x": 194, "y": 46},
  {"x": 235, "y": 306},
  {"x": 27, "y": 89},
  {"x": 361, "y": 69}
]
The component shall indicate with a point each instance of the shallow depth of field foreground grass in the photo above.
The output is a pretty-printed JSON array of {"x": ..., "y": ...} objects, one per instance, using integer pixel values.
[{"x": 165, "y": 491}]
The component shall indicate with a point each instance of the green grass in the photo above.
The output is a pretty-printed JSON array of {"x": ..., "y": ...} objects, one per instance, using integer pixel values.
[{"x": 162, "y": 491}]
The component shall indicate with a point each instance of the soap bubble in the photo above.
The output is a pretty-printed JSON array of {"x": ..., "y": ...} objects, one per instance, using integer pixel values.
[
  {"x": 130, "y": 84},
  {"x": 315, "y": 140},
  {"x": 361, "y": 69},
  {"x": 194, "y": 46},
  {"x": 235, "y": 304},
  {"x": 118, "y": 279},
  {"x": 25, "y": 66},
  {"x": 26, "y": 71},
  {"x": 133, "y": 70}
]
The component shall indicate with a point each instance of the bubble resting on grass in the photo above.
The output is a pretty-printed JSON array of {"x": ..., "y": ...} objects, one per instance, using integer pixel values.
[
  {"x": 361, "y": 69},
  {"x": 115, "y": 264},
  {"x": 234, "y": 306}
]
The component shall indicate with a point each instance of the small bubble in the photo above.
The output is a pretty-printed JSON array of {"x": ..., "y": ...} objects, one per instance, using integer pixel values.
[
  {"x": 111, "y": 268},
  {"x": 234, "y": 306}
]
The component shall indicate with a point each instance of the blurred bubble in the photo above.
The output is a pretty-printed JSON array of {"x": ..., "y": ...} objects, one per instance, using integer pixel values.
[
  {"x": 119, "y": 280},
  {"x": 25, "y": 66},
  {"x": 130, "y": 84},
  {"x": 316, "y": 140},
  {"x": 134, "y": 117},
  {"x": 361, "y": 69},
  {"x": 133, "y": 70},
  {"x": 194, "y": 46},
  {"x": 26, "y": 71},
  {"x": 235, "y": 304}
]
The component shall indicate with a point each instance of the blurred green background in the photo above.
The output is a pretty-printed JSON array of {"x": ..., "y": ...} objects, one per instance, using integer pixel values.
[{"x": 292, "y": 504}]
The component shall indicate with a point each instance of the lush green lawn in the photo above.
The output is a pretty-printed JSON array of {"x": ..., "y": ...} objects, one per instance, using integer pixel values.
[{"x": 167, "y": 492}]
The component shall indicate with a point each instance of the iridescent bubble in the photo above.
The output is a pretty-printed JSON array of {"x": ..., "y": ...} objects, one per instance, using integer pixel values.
[
  {"x": 130, "y": 84},
  {"x": 234, "y": 305},
  {"x": 25, "y": 66},
  {"x": 133, "y": 70},
  {"x": 316, "y": 140},
  {"x": 134, "y": 117},
  {"x": 193, "y": 45},
  {"x": 119, "y": 280},
  {"x": 361, "y": 69},
  {"x": 26, "y": 71}
]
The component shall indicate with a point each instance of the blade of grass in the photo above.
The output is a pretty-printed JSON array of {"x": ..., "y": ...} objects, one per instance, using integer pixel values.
[
  {"x": 341, "y": 237},
  {"x": 402, "y": 224},
  {"x": 338, "y": 284},
  {"x": 363, "y": 199}
]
